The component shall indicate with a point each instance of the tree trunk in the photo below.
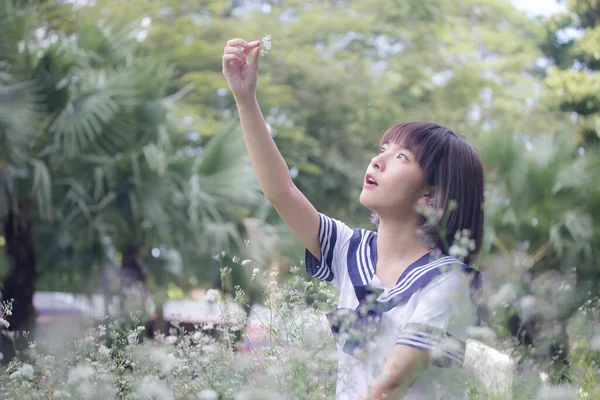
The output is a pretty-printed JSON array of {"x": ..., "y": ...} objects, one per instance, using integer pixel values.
[
  {"x": 134, "y": 274},
  {"x": 133, "y": 267},
  {"x": 19, "y": 284}
]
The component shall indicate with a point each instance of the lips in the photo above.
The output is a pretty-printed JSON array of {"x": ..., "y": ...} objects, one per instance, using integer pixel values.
[{"x": 370, "y": 181}]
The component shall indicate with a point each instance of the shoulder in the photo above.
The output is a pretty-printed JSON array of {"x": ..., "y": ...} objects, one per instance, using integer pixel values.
[
  {"x": 451, "y": 284},
  {"x": 332, "y": 227}
]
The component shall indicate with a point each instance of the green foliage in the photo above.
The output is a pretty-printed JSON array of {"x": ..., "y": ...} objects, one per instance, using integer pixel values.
[
  {"x": 335, "y": 78},
  {"x": 572, "y": 42},
  {"x": 88, "y": 132}
]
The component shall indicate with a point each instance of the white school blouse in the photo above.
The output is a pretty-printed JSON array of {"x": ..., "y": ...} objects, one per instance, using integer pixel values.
[{"x": 429, "y": 308}]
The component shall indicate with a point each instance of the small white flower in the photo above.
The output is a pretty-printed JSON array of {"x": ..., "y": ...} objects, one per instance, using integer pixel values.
[
  {"x": 208, "y": 326},
  {"x": 503, "y": 297},
  {"x": 265, "y": 45},
  {"x": 166, "y": 362},
  {"x": 4, "y": 323},
  {"x": 246, "y": 262},
  {"x": 27, "y": 371},
  {"x": 255, "y": 272},
  {"x": 212, "y": 296},
  {"x": 197, "y": 335},
  {"x": 209, "y": 349},
  {"x": 457, "y": 251},
  {"x": 151, "y": 388},
  {"x": 171, "y": 339},
  {"x": 132, "y": 338},
  {"x": 582, "y": 393},
  {"x": 15, "y": 374},
  {"x": 208, "y": 394},
  {"x": 80, "y": 373},
  {"x": 103, "y": 350}
]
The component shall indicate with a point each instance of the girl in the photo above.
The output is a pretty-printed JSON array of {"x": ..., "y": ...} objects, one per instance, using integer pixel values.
[{"x": 404, "y": 301}]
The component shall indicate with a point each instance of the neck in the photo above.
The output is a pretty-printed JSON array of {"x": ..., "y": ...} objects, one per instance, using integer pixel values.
[{"x": 398, "y": 243}]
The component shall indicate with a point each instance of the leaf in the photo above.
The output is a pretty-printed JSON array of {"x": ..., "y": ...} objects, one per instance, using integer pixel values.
[{"x": 41, "y": 188}]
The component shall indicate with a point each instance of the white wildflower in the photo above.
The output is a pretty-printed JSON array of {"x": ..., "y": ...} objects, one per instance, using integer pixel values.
[
  {"x": 166, "y": 362},
  {"x": 457, "y": 251},
  {"x": 132, "y": 338},
  {"x": 208, "y": 326},
  {"x": 212, "y": 296},
  {"x": 208, "y": 394},
  {"x": 4, "y": 323},
  {"x": 15, "y": 374},
  {"x": 265, "y": 44},
  {"x": 151, "y": 388},
  {"x": 197, "y": 335},
  {"x": 80, "y": 373},
  {"x": 246, "y": 262},
  {"x": 103, "y": 350},
  {"x": 171, "y": 339},
  {"x": 255, "y": 272},
  {"x": 527, "y": 304},
  {"x": 503, "y": 297},
  {"x": 209, "y": 349},
  {"x": 27, "y": 371},
  {"x": 582, "y": 394}
]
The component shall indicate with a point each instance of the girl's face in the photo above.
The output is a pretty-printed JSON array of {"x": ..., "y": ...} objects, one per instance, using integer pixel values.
[{"x": 394, "y": 183}]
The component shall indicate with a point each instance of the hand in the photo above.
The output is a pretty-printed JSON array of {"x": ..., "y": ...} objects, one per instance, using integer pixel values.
[{"x": 241, "y": 76}]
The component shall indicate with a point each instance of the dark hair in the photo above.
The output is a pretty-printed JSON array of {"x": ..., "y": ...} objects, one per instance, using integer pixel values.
[{"x": 455, "y": 170}]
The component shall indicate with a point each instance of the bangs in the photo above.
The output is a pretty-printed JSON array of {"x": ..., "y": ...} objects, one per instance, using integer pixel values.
[{"x": 426, "y": 140}]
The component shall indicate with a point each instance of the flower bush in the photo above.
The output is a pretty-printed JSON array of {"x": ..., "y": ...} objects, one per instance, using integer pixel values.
[
  {"x": 281, "y": 349},
  {"x": 284, "y": 352}
]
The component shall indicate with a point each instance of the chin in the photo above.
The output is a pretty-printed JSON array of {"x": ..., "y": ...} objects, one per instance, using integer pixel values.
[{"x": 366, "y": 201}]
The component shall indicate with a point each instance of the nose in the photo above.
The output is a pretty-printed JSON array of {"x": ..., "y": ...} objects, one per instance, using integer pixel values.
[{"x": 378, "y": 162}]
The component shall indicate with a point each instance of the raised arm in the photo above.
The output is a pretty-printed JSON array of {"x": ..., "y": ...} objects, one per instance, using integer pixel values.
[{"x": 270, "y": 167}]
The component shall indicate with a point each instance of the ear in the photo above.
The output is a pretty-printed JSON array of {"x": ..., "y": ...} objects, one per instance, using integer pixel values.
[{"x": 427, "y": 197}]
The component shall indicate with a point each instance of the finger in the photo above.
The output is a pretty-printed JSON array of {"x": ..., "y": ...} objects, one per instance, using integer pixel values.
[
  {"x": 252, "y": 45},
  {"x": 255, "y": 57},
  {"x": 235, "y": 50},
  {"x": 237, "y": 42},
  {"x": 231, "y": 59}
]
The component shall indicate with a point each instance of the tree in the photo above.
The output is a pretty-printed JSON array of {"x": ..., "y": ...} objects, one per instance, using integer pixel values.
[
  {"x": 91, "y": 132},
  {"x": 571, "y": 45},
  {"x": 340, "y": 73}
]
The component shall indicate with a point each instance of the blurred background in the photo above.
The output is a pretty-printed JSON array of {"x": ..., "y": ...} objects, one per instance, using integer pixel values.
[{"x": 123, "y": 173}]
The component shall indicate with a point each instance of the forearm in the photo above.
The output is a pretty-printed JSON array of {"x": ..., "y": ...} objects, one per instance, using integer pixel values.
[
  {"x": 270, "y": 167},
  {"x": 388, "y": 389},
  {"x": 398, "y": 374}
]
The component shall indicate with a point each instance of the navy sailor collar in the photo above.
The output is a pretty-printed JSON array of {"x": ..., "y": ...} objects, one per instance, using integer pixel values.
[{"x": 362, "y": 259}]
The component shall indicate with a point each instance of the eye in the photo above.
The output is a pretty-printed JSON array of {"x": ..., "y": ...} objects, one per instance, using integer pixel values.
[
  {"x": 402, "y": 155},
  {"x": 381, "y": 149}
]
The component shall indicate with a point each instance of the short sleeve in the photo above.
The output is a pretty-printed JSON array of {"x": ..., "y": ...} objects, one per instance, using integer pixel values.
[
  {"x": 440, "y": 320},
  {"x": 333, "y": 238}
]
